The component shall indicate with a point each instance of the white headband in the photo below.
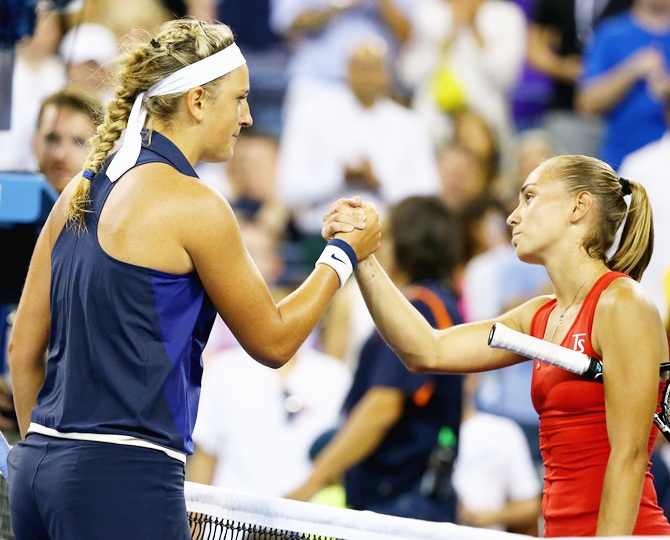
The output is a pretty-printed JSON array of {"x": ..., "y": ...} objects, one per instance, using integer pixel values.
[{"x": 200, "y": 72}]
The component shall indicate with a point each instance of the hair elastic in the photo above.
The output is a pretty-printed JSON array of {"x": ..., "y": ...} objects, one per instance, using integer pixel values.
[
  {"x": 88, "y": 174},
  {"x": 625, "y": 186},
  {"x": 155, "y": 43}
]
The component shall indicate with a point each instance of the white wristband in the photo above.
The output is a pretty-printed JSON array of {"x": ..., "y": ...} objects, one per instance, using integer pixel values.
[{"x": 338, "y": 255}]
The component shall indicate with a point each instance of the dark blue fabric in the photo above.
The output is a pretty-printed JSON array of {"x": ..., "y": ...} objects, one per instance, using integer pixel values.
[
  {"x": 17, "y": 20},
  {"x": 126, "y": 341},
  {"x": 395, "y": 468},
  {"x": 249, "y": 21},
  {"x": 67, "y": 490}
]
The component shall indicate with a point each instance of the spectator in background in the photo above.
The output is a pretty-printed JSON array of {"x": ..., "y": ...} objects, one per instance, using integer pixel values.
[
  {"x": 495, "y": 280},
  {"x": 533, "y": 146},
  {"x": 496, "y": 481},
  {"x": 462, "y": 175},
  {"x": 464, "y": 52},
  {"x": 66, "y": 121},
  {"x": 627, "y": 54},
  {"x": 393, "y": 417},
  {"x": 473, "y": 131},
  {"x": 356, "y": 140},
  {"x": 650, "y": 165},
  {"x": 87, "y": 49},
  {"x": 320, "y": 35},
  {"x": 255, "y": 425},
  {"x": 38, "y": 72},
  {"x": 557, "y": 35}
]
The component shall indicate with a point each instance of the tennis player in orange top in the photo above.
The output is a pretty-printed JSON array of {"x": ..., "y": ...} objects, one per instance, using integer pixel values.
[{"x": 595, "y": 439}]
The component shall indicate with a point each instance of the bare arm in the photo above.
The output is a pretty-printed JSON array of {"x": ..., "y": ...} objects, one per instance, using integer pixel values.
[
  {"x": 628, "y": 333},
  {"x": 200, "y": 467},
  {"x": 361, "y": 435},
  {"x": 271, "y": 333},
  {"x": 315, "y": 19},
  {"x": 543, "y": 57},
  {"x": 603, "y": 93},
  {"x": 459, "y": 349},
  {"x": 520, "y": 517},
  {"x": 395, "y": 19},
  {"x": 30, "y": 335}
]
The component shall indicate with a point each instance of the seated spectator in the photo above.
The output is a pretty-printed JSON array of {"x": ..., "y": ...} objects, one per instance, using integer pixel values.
[
  {"x": 463, "y": 175},
  {"x": 557, "y": 35},
  {"x": 321, "y": 34},
  {"x": 650, "y": 165}
]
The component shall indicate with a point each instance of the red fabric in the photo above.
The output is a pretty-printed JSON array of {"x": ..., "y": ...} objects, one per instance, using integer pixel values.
[{"x": 573, "y": 435}]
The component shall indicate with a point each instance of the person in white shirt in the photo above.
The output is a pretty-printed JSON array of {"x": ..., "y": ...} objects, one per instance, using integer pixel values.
[
  {"x": 256, "y": 425},
  {"x": 320, "y": 35},
  {"x": 497, "y": 484},
  {"x": 354, "y": 141}
]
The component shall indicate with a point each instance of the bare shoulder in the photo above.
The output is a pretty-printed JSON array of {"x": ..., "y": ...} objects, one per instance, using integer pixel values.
[
  {"x": 191, "y": 206},
  {"x": 625, "y": 298},
  {"x": 157, "y": 217},
  {"x": 625, "y": 309}
]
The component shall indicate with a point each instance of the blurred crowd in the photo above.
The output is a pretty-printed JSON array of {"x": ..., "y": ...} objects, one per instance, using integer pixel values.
[{"x": 452, "y": 101}]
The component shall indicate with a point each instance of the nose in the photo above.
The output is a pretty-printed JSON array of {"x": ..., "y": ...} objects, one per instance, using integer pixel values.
[
  {"x": 513, "y": 218},
  {"x": 246, "y": 120}
]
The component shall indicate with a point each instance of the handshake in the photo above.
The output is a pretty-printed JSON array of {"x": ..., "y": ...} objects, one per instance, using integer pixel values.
[{"x": 353, "y": 232}]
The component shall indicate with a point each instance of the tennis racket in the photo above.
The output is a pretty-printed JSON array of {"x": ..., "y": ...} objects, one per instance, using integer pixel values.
[{"x": 502, "y": 337}]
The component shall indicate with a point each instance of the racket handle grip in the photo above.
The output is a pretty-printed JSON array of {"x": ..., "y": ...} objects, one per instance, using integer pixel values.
[{"x": 502, "y": 337}]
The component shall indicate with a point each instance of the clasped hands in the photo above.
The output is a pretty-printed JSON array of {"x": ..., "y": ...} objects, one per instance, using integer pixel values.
[{"x": 355, "y": 222}]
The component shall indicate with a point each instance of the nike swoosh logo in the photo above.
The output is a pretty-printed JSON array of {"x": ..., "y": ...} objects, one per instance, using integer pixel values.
[{"x": 332, "y": 255}]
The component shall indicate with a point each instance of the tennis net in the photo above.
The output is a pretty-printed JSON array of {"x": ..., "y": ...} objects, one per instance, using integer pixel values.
[
  {"x": 216, "y": 513},
  {"x": 220, "y": 514}
]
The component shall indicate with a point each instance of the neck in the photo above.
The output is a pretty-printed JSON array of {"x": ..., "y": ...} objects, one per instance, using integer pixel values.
[{"x": 572, "y": 288}]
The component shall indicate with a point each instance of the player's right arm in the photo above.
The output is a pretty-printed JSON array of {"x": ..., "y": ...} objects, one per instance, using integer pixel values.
[
  {"x": 270, "y": 332},
  {"x": 459, "y": 349}
]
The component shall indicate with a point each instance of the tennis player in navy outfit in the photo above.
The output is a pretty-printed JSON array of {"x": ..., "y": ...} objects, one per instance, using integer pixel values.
[{"x": 133, "y": 264}]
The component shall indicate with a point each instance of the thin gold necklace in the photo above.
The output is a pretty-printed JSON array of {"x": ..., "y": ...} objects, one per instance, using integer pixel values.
[{"x": 561, "y": 313}]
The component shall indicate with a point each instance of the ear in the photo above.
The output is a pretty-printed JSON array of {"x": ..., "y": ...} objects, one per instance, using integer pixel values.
[
  {"x": 195, "y": 102},
  {"x": 581, "y": 206}
]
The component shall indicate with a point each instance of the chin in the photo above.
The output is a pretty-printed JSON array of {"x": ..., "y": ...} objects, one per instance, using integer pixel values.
[{"x": 529, "y": 258}]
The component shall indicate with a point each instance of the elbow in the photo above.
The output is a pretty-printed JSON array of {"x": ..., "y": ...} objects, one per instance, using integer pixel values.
[
  {"x": 274, "y": 356},
  {"x": 418, "y": 366}
]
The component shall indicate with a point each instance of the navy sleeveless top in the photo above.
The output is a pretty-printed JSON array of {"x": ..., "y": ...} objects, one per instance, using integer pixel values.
[{"x": 126, "y": 341}]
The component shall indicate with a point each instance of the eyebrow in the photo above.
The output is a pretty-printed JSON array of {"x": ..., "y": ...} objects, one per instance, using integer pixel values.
[{"x": 525, "y": 188}]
